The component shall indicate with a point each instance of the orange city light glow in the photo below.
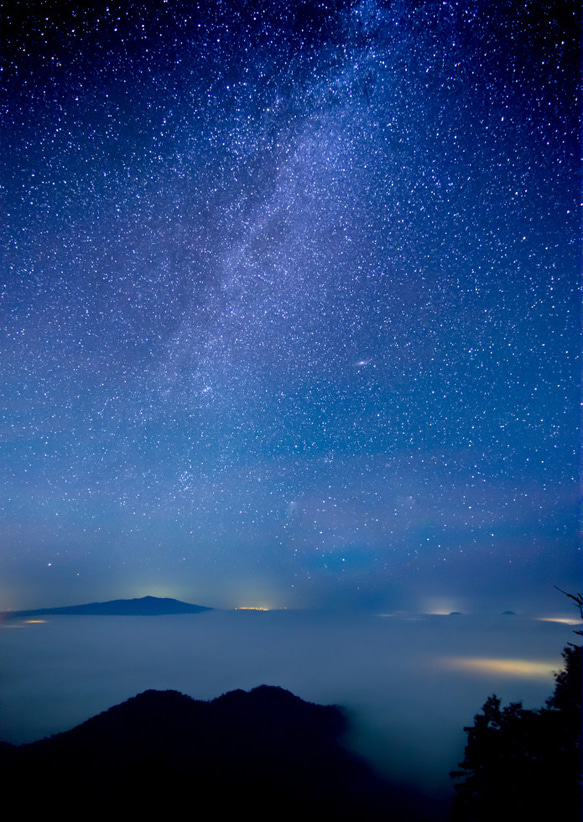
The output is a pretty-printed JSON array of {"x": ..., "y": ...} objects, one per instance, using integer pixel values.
[{"x": 251, "y": 608}]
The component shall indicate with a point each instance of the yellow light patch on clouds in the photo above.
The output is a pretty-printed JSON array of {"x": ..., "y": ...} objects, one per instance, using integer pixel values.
[
  {"x": 562, "y": 620},
  {"x": 524, "y": 668}
]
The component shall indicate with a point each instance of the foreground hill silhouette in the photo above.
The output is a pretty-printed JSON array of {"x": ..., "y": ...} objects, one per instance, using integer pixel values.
[
  {"x": 266, "y": 753},
  {"x": 143, "y": 606}
]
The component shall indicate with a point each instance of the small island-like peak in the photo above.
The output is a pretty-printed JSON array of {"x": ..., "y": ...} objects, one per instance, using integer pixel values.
[{"x": 141, "y": 606}]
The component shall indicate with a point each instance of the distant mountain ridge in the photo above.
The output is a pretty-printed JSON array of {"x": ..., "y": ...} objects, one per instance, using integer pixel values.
[
  {"x": 264, "y": 753},
  {"x": 142, "y": 606}
]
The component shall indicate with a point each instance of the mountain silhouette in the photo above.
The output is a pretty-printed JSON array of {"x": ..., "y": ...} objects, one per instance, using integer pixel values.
[
  {"x": 266, "y": 753},
  {"x": 143, "y": 606}
]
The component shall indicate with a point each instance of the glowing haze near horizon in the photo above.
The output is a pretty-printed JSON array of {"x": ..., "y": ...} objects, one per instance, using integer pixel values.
[{"x": 290, "y": 305}]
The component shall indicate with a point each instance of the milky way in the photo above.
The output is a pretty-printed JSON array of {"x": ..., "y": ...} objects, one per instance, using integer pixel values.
[{"x": 290, "y": 309}]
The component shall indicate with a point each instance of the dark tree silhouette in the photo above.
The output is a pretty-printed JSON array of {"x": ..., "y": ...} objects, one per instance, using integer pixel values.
[{"x": 523, "y": 763}]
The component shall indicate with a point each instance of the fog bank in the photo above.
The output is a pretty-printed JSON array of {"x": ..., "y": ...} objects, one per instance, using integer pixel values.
[{"x": 409, "y": 684}]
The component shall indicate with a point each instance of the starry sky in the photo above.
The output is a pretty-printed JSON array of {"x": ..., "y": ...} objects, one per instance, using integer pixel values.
[{"x": 290, "y": 309}]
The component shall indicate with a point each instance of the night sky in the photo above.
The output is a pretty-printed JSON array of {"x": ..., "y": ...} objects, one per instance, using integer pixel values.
[{"x": 290, "y": 309}]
